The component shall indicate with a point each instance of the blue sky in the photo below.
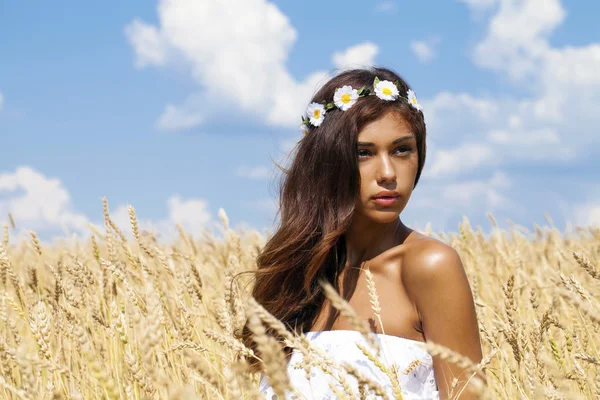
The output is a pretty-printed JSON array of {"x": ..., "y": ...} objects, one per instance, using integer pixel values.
[{"x": 179, "y": 108}]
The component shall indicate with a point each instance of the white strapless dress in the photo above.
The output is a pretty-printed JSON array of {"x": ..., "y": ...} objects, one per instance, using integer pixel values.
[{"x": 340, "y": 345}]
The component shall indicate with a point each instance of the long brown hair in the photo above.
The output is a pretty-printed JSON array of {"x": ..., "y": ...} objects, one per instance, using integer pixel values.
[{"x": 318, "y": 194}]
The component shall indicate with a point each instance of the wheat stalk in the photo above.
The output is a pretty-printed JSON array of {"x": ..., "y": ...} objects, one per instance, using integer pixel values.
[
  {"x": 98, "y": 320},
  {"x": 346, "y": 310}
]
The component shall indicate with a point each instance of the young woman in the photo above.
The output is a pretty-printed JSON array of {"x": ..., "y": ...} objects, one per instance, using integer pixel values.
[{"x": 341, "y": 202}]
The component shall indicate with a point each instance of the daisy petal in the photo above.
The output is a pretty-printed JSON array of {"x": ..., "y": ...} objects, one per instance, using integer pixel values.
[
  {"x": 412, "y": 100},
  {"x": 345, "y": 97},
  {"x": 386, "y": 90},
  {"x": 315, "y": 113}
]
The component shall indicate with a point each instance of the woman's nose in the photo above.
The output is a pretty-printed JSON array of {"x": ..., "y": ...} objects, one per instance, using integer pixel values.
[{"x": 386, "y": 170}]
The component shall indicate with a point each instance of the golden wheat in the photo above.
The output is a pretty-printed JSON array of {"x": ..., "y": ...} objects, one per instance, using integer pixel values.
[{"x": 137, "y": 318}]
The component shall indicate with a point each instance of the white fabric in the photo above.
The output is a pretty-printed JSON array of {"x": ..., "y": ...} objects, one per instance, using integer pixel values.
[{"x": 340, "y": 346}]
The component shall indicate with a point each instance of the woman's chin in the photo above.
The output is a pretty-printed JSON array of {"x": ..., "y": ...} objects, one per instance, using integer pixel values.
[{"x": 383, "y": 215}]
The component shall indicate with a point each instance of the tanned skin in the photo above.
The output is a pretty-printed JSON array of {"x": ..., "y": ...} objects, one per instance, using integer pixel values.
[{"x": 421, "y": 282}]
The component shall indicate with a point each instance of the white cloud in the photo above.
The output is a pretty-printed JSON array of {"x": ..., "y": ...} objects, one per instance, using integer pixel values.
[
  {"x": 472, "y": 197},
  {"x": 386, "y": 7},
  {"x": 357, "y": 56},
  {"x": 258, "y": 172},
  {"x": 565, "y": 81},
  {"x": 446, "y": 105},
  {"x": 463, "y": 158},
  {"x": 424, "y": 49},
  {"x": 516, "y": 40},
  {"x": 38, "y": 203},
  {"x": 506, "y": 125},
  {"x": 555, "y": 121},
  {"x": 148, "y": 43},
  {"x": 524, "y": 138},
  {"x": 43, "y": 205},
  {"x": 192, "y": 214},
  {"x": 587, "y": 214},
  {"x": 466, "y": 193},
  {"x": 1, "y": 101},
  {"x": 238, "y": 57},
  {"x": 177, "y": 118}
]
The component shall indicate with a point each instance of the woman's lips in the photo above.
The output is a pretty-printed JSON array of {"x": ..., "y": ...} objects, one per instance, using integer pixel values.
[{"x": 385, "y": 201}]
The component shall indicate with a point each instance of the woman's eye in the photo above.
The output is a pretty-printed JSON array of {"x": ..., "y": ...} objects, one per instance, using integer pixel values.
[
  {"x": 401, "y": 150},
  {"x": 404, "y": 149}
]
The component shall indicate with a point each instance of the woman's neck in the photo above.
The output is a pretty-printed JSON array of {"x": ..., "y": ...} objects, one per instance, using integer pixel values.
[{"x": 365, "y": 241}]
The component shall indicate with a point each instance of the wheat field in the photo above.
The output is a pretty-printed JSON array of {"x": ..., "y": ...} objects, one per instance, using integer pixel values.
[{"x": 129, "y": 317}]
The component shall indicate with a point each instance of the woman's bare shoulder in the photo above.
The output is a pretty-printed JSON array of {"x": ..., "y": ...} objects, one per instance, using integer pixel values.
[
  {"x": 419, "y": 244},
  {"x": 425, "y": 258}
]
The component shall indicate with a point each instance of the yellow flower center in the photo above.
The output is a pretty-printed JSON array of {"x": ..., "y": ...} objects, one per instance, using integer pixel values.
[
  {"x": 414, "y": 100},
  {"x": 317, "y": 113},
  {"x": 346, "y": 98},
  {"x": 386, "y": 91}
]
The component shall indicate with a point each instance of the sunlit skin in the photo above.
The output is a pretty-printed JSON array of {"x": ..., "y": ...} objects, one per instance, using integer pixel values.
[{"x": 420, "y": 279}]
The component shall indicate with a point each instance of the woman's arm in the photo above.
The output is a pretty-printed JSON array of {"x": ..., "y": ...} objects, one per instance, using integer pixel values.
[{"x": 437, "y": 283}]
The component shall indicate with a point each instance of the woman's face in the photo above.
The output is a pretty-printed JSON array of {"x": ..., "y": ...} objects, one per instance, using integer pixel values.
[{"x": 387, "y": 161}]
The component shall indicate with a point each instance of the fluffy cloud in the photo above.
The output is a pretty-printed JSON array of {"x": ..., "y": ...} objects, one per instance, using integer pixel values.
[
  {"x": 240, "y": 64},
  {"x": 38, "y": 203},
  {"x": 43, "y": 204},
  {"x": 565, "y": 82},
  {"x": 522, "y": 137},
  {"x": 468, "y": 192},
  {"x": 461, "y": 159},
  {"x": 464, "y": 197},
  {"x": 148, "y": 43},
  {"x": 192, "y": 214},
  {"x": 554, "y": 122},
  {"x": 449, "y": 111},
  {"x": 587, "y": 214},
  {"x": 1, "y": 101},
  {"x": 358, "y": 56},
  {"x": 424, "y": 49},
  {"x": 516, "y": 41},
  {"x": 177, "y": 118}
]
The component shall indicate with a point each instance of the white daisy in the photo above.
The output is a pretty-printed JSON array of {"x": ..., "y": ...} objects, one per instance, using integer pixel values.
[
  {"x": 412, "y": 100},
  {"x": 304, "y": 128},
  {"x": 345, "y": 97},
  {"x": 386, "y": 90},
  {"x": 315, "y": 113}
]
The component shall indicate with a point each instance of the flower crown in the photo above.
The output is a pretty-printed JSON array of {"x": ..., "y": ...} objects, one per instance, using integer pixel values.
[{"x": 346, "y": 96}]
